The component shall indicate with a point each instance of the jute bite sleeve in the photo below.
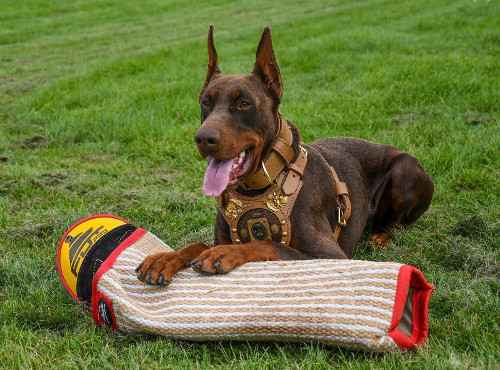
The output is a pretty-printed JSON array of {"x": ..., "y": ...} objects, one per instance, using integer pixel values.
[{"x": 373, "y": 306}]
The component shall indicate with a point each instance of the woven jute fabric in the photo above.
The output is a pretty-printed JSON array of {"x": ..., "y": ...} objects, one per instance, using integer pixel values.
[{"x": 344, "y": 303}]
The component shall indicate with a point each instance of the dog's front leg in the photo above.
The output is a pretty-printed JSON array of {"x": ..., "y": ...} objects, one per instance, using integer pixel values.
[
  {"x": 224, "y": 258},
  {"x": 160, "y": 267}
]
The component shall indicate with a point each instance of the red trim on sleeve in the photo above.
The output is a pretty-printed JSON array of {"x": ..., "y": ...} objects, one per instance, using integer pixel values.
[
  {"x": 62, "y": 241},
  {"x": 99, "y": 315},
  {"x": 410, "y": 276},
  {"x": 105, "y": 266}
]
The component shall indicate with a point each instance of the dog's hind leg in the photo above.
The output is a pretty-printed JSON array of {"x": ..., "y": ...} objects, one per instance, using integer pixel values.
[{"x": 403, "y": 195}]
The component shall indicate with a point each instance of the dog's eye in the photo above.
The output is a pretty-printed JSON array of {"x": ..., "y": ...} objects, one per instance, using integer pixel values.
[
  {"x": 244, "y": 105},
  {"x": 205, "y": 103}
]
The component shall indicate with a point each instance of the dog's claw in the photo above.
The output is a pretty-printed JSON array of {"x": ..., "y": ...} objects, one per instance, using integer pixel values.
[
  {"x": 197, "y": 263},
  {"x": 139, "y": 275},
  {"x": 219, "y": 269},
  {"x": 160, "y": 279},
  {"x": 147, "y": 278}
]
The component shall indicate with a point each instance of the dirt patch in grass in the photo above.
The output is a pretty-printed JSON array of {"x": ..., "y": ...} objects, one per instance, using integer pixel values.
[
  {"x": 7, "y": 79},
  {"x": 49, "y": 179},
  {"x": 166, "y": 176},
  {"x": 179, "y": 201},
  {"x": 133, "y": 197},
  {"x": 94, "y": 158},
  {"x": 3, "y": 277},
  {"x": 32, "y": 60},
  {"x": 30, "y": 230},
  {"x": 21, "y": 89},
  {"x": 6, "y": 185},
  {"x": 471, "y": 258},
  {"x": 473, "y": 227},
  {"x": 408, "y": 117},
  {"x": 33, "y": 142},
  {"x": 476, "y": 118}
]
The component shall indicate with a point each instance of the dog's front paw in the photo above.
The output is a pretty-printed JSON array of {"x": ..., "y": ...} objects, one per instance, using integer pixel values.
[
  {"x": 160, "y": 267},
  {"x": 218, "y": 260}
]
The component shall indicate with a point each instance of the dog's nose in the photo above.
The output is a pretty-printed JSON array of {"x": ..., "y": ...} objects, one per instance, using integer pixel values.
[{"x": 207, "y": 139}]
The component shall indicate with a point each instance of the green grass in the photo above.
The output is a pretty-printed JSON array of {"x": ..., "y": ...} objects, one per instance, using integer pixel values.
[{"x": 98, "y": 108}]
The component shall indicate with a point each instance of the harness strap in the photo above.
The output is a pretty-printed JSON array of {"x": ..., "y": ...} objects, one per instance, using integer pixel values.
[
  {"x": 343, "y": 204},
  {"x": 279, "y": 158},
  {"x": 284, "y": 150},
  {"x": 295, "y": 172}
]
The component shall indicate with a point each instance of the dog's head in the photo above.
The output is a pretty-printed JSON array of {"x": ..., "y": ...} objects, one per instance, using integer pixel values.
[{"x": 238, "y": 117}]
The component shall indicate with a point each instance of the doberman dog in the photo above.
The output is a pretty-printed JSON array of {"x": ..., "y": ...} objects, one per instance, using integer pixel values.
[{"x": 241, "y": 129}]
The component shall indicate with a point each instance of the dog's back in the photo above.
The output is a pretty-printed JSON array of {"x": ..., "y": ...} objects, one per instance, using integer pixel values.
[{"x": 394, "y": 180}]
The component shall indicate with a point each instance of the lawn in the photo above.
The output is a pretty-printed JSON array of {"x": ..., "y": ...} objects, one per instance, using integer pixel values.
[{"x": 98, "y": 108}]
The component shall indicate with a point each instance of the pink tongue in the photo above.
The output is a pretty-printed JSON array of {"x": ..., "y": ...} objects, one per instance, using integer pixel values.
[{"x": 217, "y": 177}]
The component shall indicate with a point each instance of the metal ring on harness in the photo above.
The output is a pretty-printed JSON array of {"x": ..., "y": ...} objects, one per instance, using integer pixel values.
[
  {"x": 340, "y": 216},
  {"x": 271, "y": 181}
]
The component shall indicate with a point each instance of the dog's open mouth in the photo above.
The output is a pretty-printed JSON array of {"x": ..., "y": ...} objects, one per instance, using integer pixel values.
[{"x": 222, "y": 173}]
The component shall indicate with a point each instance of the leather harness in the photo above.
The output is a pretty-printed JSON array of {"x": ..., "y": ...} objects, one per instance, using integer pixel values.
[{"x": 267, "y": 216}]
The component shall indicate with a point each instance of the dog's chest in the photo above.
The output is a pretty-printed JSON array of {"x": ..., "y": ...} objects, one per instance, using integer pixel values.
[{"x": 262, "y": 217}]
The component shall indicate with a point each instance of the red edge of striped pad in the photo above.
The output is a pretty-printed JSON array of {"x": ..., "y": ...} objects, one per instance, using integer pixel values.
[
  {"x": 410, "y": 276},
  {"x": 108, "y": 264}
]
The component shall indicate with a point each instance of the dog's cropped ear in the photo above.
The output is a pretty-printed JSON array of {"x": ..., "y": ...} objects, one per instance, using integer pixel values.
[
  {"x": 213, "y": 67},
  {"x": 266, "y": 67}
]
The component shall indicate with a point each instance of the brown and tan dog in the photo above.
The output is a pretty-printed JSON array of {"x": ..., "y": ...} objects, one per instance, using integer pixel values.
[{"x": 303, "y": 209}]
